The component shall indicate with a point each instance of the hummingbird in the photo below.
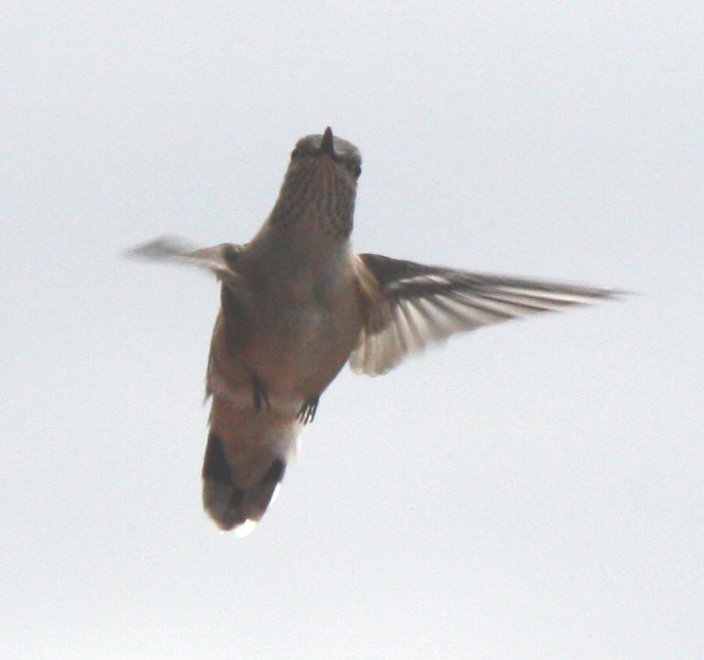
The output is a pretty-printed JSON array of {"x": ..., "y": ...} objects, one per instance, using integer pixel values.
[{"x": 297, "y": 304}]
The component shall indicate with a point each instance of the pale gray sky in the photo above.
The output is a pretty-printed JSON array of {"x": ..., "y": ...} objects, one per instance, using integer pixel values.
[{"x": 532, "y": 490}]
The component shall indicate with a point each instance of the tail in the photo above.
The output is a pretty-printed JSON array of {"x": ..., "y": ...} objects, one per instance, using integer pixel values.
[{"x": 234, "y": 505}]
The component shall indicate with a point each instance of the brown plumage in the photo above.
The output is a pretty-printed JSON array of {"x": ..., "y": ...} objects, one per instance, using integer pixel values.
[{"x": 297, "y": 304}]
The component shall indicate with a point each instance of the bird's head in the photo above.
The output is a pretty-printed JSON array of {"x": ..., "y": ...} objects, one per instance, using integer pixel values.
[{"x": 320, "y": 186}]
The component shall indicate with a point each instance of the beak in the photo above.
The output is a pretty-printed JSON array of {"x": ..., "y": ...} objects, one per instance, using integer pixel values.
[{"x": 326, "y": 146}]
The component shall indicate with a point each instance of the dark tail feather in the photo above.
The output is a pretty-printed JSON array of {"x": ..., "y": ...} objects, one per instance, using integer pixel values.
[{"x": 230, "y": 505}]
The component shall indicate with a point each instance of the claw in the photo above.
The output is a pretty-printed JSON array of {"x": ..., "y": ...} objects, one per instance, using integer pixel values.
[
  {"x": 307, "y": 412},
  {"x": 259, "y": 394}
]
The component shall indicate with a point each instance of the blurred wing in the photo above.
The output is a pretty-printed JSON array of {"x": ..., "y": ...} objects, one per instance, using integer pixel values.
[
  {"x": 219, "y": 258},
  {"x": 416, "y": 305}
]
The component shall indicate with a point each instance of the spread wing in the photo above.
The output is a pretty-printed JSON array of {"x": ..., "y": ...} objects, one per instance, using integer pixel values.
[
  {"x": 417, "y": 305},
  {"x": 219, "y": 258}
]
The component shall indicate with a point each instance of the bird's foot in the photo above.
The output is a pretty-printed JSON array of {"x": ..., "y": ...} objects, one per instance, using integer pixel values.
[
  {"x": 259, "y": 394},
  {"x": 307, "y": 411}
]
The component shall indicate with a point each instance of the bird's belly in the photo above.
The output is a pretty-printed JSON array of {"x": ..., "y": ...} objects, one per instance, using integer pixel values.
[
  {"x": 292, "y": 356},
  {"x": 301, "y": 354}
]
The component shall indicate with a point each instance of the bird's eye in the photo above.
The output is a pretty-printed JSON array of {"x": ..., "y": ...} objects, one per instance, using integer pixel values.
[{"x": 357, "y": 171}]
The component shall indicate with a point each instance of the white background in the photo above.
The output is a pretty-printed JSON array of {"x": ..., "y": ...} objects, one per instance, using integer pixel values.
[{"x": 533, "y": 490}]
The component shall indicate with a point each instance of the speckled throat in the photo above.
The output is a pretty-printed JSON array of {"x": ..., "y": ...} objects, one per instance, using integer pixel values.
[{"x": 318, "y": 196}]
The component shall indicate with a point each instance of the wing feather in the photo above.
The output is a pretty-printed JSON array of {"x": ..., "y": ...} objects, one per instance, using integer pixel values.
[
  {"x": 417, "y": 305},
  {"x": 218, "y": 259}
]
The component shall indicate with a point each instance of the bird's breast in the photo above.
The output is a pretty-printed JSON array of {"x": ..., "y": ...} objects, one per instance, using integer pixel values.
[{"x": 292, "y": 333}]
